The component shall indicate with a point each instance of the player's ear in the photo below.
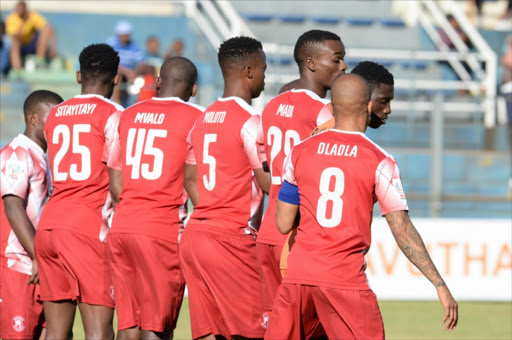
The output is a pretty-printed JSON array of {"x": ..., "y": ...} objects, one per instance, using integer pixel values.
[
  {"x": 194, "y": 90},
  {"x": 78, "y": 77},
  {"x": 370, "y": 104},
  {"x": 249, "y": 71},
  {"x": 32, "y": 119},
  {"x": 116, "y": 79},
  {"x": 311, "y": 63},
  {"x": 158, "y": 82},
  {"x": 330, "y": 108}
]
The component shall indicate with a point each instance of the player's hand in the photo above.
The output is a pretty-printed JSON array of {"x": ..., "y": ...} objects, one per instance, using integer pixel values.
[
  {"x": 451, "y": 312},
  {"x": 34, "y": 278}
]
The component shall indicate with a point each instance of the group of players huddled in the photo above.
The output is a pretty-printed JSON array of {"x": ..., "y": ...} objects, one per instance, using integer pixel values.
[{"x": 134, "y": 169}]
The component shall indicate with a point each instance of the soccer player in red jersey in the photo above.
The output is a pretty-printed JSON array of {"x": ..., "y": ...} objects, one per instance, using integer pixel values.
[
  {"x": 143, "y": 247},
  {"x": 336, "y": 177},
  {"x": 70, "y": 239},
  {"x": 217, "y": 249},
  {"x": 286, "y": 120},
  {"x": 25, "y": 187}
]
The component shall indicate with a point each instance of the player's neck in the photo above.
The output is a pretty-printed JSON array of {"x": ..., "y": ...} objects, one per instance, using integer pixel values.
[
  {"x": 32, "y": 135},
  {"x": 237, "y": 91},
  {"x": 101, "y": 90},
  {"x": 306, "y": 83}
]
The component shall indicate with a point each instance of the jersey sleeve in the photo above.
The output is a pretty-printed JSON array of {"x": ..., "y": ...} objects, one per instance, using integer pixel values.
[
  {"x": 260, "y": 142},
  {"x": 16, "y": 172},
  {"x": 190, "y": 158},
  {"x": 249, "y": 135},
  {"x": 289, "y": 170},
  {"x": 37, "y": 20},
  {"x": 388, "y": 187},
  {"x": 324, "y": 115},
  {"x": 112, "y": 148}
]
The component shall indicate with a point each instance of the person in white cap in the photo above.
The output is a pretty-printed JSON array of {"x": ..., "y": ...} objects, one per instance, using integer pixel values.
[{"x": 131, "y": 57}]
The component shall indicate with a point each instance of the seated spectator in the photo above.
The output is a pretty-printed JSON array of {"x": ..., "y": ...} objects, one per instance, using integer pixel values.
[
  {"x": 5, "y": 46},
  {"x": 131, "y": 60},
  {"x": 153, "y": 57},
  {"x": 30, "y": 33}
]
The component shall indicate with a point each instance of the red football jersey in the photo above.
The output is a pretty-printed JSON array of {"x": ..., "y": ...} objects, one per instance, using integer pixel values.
[
  {"x": 340, "y": 175},
  {"x": 225, "y": 146},
  {"x": 152, "y": 133},
  {"x": 286, "y": 120},
  {"x": 80, "y": 133},
  {"x": 24, "y": 173}
]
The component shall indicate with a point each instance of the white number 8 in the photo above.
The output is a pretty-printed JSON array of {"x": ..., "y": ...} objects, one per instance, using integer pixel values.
[{"x": 334, "y": 196}]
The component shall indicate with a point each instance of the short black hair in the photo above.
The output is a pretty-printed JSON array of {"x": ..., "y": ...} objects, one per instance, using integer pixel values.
[
  {"x": 179, "y": 72},
  {"x": 237, "y": 49},
  {"x": 375, "y": 74},
  {"x": 40, "y": 97},
  {"x": 306, "y": 40},
  {"x": 98, "y": 62}
]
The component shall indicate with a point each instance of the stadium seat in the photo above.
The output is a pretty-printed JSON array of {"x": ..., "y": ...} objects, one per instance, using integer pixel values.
[
  {"x": 351, "y": 62},
  {"x": 353, "y": 21},
  {"x": 419, "y": 65},
  {"x": 257, "y": 17},
  {"x": 325, "y": 20},
  {"x": 296, "y": 19},
  {"x": 392, "y": 22}
]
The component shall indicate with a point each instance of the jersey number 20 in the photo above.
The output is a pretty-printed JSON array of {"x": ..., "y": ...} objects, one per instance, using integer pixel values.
[
  {"x": 333, "y": 196},
  {"x": 277, "y": 145}
]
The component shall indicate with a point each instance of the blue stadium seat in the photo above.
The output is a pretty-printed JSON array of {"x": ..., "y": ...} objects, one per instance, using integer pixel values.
[
  {"x": 419, "y": 65},
  {"x": 359, "y": 21},
  {"x": 385, "y": 63},
  {"x": 392, "y": 22},
  {"x": 325, "y": 20},
  {"x": 257, "y": 17},
  {"x": 351, "y": 62},
  {"x": 296, "y": 19}
]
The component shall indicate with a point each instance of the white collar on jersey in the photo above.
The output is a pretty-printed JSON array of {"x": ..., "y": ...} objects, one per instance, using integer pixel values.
[
  {"x": 349, "y": 132},
  {"x": 245, "y": 105},
  {"x": 89, "y": 96},
  {"x": 168, "y": 99}
]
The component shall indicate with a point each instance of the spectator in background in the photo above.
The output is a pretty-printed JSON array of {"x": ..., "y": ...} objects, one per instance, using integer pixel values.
[
  {"x": 5, "y": 47},
  {"x": 30, "y": 33},
  {"x": 153, "y": 56},
  {"x": 131, "y": 60},
  {"x": 175, "y": 50}
]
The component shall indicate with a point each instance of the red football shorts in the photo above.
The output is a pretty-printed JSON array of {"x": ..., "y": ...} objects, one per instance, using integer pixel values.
[
  {"x": 73, "y": 266},
  {"x": 21, "y": 312},
  {"x": 221, "y": 271},
  {"x": 148, "y": 283},
  {"x": 344, "y": 314},
  {"x": 270, "y": 276}
]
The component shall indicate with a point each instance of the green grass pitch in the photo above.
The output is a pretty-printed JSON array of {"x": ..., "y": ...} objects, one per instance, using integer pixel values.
[{"x": 409, "y": 320}]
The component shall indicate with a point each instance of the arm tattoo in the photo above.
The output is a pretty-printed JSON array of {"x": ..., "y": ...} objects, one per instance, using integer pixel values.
[{"x": 411, "y": 244}]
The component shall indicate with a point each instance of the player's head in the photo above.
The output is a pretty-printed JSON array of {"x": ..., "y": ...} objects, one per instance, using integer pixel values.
[
  {"x": 351, "y": 101},
  {"x": 98, "y": 67},
  {"x": 242, "y": 59},
  {"x": 21, "y": 9},
  {"x": 381, "y": 83},
  {"x": 177, "y": 78},
  {"x": 319, "y": 54},
  {"x": 36, "y": 108}
]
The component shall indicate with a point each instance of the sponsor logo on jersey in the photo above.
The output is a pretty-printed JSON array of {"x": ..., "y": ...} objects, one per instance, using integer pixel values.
[
  {"x": 397, "y": 184},
  {"x": 18, "y": 323}
]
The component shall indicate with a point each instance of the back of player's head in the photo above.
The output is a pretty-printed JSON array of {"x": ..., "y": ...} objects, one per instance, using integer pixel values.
[
  {"x": 304, "y": 47},
  {"x": 237, "y": 51},
  {"x": 179, "y": 73},
  {"x": 375, "y": 74},
  {"x": 98, "y": 63},
  {"x": 38, "y": 98},
  {"x": 350, "y": 95}
]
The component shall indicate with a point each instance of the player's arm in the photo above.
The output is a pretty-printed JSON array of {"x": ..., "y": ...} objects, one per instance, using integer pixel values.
[
  {"x": 23, "y": 228},
  {"x": 190, "y": 183},
  {"x": 288, "y": 202},
  {"x": 116, "y": 185},
  {"x": 263, "y": 179},
  {"x": 411, "y": 244}
]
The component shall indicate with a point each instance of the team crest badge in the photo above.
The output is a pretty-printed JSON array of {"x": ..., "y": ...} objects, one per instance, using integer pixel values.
[
  {"x": 14, "y": 169},
  {"x": 112, "y": 292},
  {"x": 264, "y": 320},
  {"x": 398, "y": 187},
  {"x": 18, "y": 323}
]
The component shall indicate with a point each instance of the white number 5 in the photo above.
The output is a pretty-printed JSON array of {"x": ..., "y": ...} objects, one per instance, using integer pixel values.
[{"x": 209, "y": 184}]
